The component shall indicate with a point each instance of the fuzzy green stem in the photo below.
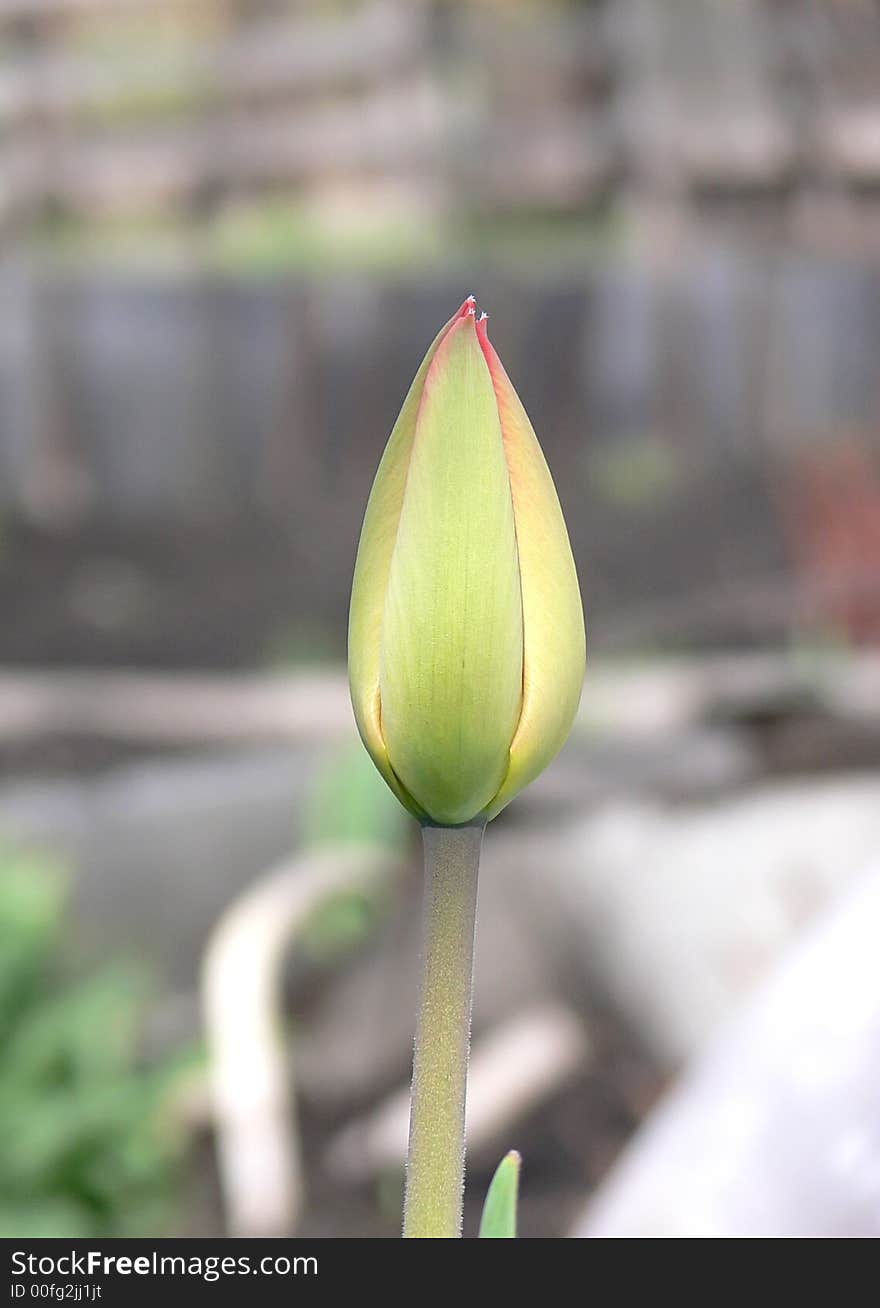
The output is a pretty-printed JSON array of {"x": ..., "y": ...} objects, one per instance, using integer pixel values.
[{"x": 435, "y": 1163}]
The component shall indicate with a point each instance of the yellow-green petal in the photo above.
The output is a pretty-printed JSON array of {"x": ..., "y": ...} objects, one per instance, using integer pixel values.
[
  {"x": 378, "y": 535},
  {"x": 452, "y": 630},
  {"x": 554, "y": 642}
]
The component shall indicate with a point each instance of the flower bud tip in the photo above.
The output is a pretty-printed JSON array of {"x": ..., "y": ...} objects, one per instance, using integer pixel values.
[{"x": 483, "y": 331}]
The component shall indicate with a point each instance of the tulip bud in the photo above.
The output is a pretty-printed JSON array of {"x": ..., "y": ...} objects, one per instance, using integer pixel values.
[{"x": 466, "y": 634}]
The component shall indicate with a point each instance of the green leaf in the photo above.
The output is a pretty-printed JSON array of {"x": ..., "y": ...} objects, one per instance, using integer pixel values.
[{"x": 499, "y": 1211}]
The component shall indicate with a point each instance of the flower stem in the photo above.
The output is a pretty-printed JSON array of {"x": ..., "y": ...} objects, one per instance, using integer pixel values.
[{"x": 435, "y": 1163}]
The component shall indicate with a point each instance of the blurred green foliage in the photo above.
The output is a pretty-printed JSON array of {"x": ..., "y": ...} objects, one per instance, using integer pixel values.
[
  {"x": 87, "y": 1144},
  {"x": 300, "y": 644},
  {"x": 639, "y": 472},
  {"x": 281, "y": 233},
  {"x": 350, "y": 804}
]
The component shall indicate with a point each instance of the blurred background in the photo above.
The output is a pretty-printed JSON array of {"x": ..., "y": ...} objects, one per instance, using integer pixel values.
[{"x": 228, "y": 233}]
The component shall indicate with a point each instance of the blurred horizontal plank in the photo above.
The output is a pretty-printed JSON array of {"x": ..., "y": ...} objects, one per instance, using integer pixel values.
[
  {"x": 692, "y": 102},
  {"x": 258, "y": 59},
  {"x": 643, "y": 700},
  {"x": 397, "y": 129},
  {"x": 16, "y": 10},
  {"x": 168, "y": 709},
  {"x": 848, "y": 143}
]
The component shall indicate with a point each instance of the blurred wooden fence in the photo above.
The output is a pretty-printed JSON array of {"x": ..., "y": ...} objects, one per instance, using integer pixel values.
[
  {"x": 711, "y": 419},
  {"x": 711, "y": 435},
  {"x": 145, "y": 105}
]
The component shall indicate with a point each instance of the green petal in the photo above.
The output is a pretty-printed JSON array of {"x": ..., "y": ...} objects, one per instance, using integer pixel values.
[
  {"x": 452, "y": 631},
  {"x": 554, "y": 644},
  {"x": 378, "y": 536}
]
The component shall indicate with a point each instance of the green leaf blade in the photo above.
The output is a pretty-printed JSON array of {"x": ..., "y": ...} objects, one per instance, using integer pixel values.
[{"x": 499, "y": 1211}]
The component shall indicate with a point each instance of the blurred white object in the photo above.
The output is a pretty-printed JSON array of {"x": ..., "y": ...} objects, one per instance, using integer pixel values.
[
  {"x": 682, "y": 909},
  {"x": 775, "y": 1130},
  {"x": 513, "y": 1068},
  {"x": 249, "y": 1059}
]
